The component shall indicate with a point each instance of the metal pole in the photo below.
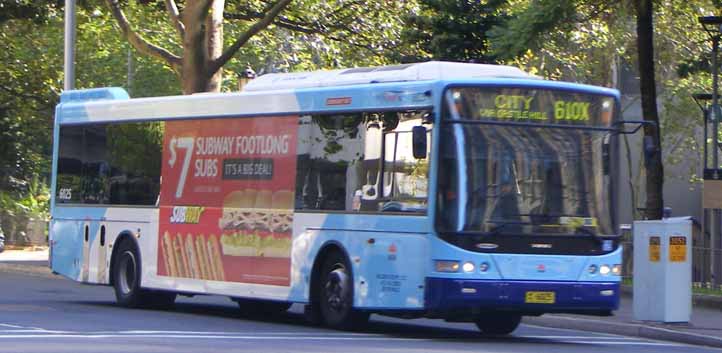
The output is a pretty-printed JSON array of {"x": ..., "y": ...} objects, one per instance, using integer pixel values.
[
  {"x": 69, "y": 67},
  {"x": 130, "y": 70},
  {"x": 715, "y": 226}
]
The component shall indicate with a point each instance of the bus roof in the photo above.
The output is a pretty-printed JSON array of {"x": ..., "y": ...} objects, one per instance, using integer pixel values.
[{"x": 432, "y": 70}]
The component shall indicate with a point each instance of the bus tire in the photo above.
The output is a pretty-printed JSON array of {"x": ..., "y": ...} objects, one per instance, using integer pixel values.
[
  {"x": 336, "y": 294},
  {"x": 126, "y": 276},
  {"x": 498, "y": 324}
]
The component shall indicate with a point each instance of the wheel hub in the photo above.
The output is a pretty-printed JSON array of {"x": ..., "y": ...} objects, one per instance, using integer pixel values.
[{"x": 336, "y": 289}]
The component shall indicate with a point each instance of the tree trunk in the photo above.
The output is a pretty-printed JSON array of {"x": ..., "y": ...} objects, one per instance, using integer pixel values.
[
  {"x": 653, "y": 163},
  {"x": 202, "y": 44}
]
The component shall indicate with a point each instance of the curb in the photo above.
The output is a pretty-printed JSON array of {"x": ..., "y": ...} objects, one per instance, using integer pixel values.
[
  {"x": 624, "y": 329},
  {"x": 703, "y": 300},
  {"x": 33, "y": 268}
]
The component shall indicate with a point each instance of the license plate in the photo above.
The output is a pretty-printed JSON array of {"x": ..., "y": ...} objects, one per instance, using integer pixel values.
[{"x": 540, "y": 297}]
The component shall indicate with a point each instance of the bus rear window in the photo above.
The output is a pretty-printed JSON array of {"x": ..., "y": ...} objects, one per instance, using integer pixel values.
[{"x": 112, "y": 164}]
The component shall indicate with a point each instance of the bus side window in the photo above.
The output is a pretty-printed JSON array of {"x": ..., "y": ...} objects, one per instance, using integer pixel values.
[
  {"x": 405, "y": 178},
  {"x": 330, "y": 153}
]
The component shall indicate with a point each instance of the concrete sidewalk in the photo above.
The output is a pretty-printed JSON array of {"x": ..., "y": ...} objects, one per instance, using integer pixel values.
[
  {"x": 31, "y": 254},
  {"x": 705, "y": 327}
]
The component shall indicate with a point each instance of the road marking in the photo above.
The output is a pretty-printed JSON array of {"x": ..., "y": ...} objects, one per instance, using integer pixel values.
[
  {"x": 630, "y": 343},
  {"x": 608, "y": 337},
  {"x": 27, "y": 332},
  {"x": 297, "y": 338}
]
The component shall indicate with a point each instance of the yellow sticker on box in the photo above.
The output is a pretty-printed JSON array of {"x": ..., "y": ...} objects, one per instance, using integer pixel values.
[
  {"x": 677, "y": 249},
  {"x": 654, "y": 249}
]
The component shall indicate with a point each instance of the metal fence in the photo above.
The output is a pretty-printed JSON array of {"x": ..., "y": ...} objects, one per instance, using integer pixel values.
[
  {"x": 704, "y": 275},
  {"x": 22, "y": 230}
]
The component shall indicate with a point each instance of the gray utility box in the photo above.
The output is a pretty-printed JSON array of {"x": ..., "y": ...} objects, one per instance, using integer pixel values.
[{"x": 663, "y": 270}]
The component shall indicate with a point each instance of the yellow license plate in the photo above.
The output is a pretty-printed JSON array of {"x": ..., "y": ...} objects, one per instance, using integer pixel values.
[{"x": 540, "y": 297}]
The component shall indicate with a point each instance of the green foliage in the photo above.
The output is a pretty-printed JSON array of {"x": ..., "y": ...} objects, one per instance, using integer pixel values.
[{"x": 453, "y": 30}]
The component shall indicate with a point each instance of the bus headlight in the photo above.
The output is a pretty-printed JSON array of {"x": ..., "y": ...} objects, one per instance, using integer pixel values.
[
  {"x": 617, "y": 270},
  {"x": 447, "y": 266},
  {"x": 604, "y": 269},
  {"x": 468, "y": 267}
]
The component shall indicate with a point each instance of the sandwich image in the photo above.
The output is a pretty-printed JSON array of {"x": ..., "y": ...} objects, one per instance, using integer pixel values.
[
  {"x": 214, "y": 255},
  {"x": 181, "y": 257},
  {"x": 202, "y": 257},
  {"x": 169, "y": 259},
  {"x": 264, "y": 230},
  {"x": 190, "y": 248},
  {"x": 238, "y": 210},
  {"x": 256, "y": 245}
]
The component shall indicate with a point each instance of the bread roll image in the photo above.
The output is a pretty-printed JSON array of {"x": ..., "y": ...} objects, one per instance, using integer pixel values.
[
  {"x": 181, "y": 258},
  {"x": 171, "y": 267},
  {"x": 214, "y": 254},
  {"x": 282, "y": 218},
  {"x": 202, "y": 254},
  {"x": 263, "y": 199},
  {"x": 190, "y": 248},
  {"x": 282, "y": 200}
]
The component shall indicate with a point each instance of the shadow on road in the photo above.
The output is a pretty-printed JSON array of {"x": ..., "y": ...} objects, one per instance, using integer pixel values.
[{"x": 377, "y": 325}]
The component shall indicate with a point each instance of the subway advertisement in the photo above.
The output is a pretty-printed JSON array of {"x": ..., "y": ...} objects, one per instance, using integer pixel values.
[{"x": 226, "y": 200}]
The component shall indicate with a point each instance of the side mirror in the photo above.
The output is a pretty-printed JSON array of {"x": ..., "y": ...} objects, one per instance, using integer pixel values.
[{"x": 419, "y": 142}]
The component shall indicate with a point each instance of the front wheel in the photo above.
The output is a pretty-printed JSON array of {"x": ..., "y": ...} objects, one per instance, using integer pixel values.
[
  {"x": 336, "y": 295},
  {"x": 498, "y": 324}
]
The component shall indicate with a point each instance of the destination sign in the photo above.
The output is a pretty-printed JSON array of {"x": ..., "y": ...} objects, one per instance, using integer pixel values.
[{"x": 530, "y": 105}]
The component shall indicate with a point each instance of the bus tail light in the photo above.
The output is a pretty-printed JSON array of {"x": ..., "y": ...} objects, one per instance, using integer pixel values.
[{"x": 447, "y": 266}]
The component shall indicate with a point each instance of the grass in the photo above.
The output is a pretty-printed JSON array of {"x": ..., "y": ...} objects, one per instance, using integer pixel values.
[{"x": 697, "y": 287}]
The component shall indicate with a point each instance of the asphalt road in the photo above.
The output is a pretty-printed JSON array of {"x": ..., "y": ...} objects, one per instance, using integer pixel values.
[{"x": 44, "y": 313}]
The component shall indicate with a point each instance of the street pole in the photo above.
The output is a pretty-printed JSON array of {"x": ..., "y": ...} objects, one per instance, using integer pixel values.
[
  {"x": 713, "y": 26},
  {"x": 69, "y": 66},
  {"x": 715, "y": 258}
]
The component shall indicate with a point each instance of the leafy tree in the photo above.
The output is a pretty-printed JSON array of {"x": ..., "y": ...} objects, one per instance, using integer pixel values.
[
  {"x": 453, "y": 30},
  {"x": 192, "y": 41},
  {"x": 589, "y": 40}
]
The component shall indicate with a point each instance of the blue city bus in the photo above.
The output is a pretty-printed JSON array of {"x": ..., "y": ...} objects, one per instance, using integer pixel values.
[{"x": 464, "y": 192}]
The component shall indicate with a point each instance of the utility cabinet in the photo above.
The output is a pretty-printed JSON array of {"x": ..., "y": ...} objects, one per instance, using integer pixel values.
[{"x": 663, "y": 270}]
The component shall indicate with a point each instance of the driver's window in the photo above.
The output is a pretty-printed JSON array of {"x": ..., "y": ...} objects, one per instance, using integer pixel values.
[{"x": 405, "y": 178}]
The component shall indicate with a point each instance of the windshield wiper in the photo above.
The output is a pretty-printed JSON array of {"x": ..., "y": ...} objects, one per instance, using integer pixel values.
[
  {"x": 585, "y": 231},
  {"x": 501, "y": 225}
]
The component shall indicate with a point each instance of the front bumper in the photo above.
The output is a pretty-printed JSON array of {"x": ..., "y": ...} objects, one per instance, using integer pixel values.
[{"x": 444, "y": 294}]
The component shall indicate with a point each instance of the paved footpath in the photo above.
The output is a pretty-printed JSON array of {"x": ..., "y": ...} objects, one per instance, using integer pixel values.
[{"x": 705, "y": 327}]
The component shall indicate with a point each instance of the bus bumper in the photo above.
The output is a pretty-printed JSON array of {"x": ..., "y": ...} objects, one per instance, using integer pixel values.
[{"x": 594, "y": 298}]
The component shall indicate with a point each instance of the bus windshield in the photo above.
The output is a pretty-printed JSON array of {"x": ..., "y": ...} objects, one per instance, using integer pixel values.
[{"x": 539, "y": 178}]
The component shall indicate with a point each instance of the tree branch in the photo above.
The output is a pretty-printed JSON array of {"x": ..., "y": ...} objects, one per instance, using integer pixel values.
[
  {"x": 174, "y": 14},
  {"x": 138, "y": 42},
  {"x": 243, "y": 38}
]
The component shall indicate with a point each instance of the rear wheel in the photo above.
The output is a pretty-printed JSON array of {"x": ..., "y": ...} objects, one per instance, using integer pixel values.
[
  {"x": 336, "y": 295},
  {"x": 126, "y": 281},
  {"x": 498, "y": 324}
]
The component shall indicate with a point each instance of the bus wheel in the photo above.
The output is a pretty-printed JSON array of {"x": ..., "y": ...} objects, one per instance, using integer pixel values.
[
  {"x": 498, "y": 324},
  {"x": 126, "y": 276},
  {"x": 336, "y": 295}
]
